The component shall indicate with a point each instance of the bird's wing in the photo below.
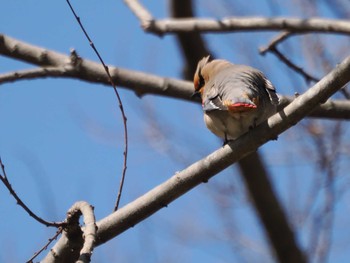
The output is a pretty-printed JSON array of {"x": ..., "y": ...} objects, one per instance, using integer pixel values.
[
  {"x": 212, "y": 101},
  {"x": 271, "y": 91}
]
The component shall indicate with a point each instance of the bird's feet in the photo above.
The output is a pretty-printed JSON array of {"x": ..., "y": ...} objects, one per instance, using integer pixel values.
[{"x": 226, "y": 141}]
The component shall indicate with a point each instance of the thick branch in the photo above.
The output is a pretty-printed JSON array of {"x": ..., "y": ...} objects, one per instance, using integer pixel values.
[
  {"x": 191, "y": 44},
  {"x": 203, "y": 170},
  {"x": 269, "y": 209},
  {"x": 60, "y": 65}
]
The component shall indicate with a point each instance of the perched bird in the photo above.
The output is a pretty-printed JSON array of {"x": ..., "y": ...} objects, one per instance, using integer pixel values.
[{"x": 235, "y": 98}]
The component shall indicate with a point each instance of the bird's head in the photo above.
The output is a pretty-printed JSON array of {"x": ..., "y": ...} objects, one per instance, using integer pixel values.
[
  {"x": 207, "y": 71},
  {"x": 199, "y": 78}
]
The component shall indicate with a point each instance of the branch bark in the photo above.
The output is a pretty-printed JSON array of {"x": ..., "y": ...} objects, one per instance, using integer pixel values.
[{"x": 56, "y": 64}]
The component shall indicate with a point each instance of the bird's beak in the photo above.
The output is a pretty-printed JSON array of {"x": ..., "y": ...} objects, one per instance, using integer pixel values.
[{"x": 196, "y": 95}]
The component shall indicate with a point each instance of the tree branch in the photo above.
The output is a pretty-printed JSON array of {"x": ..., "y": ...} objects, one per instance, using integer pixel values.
[
  {"x": 331, "y": 109},
  {"x": 276, "y": 40},
  {"x": 294, "y": 25},
  {"x": 140, "y": 12},
  {"x": 203, "y": 170},
  {"x": 141, "y": 83},
  {"x": 293, "y": 66},
  {"x": 35, "y": 73},
  {"x": 64, "y": 66},
  {"x": 191, "y": 44},
  {"x": 6, "y": 182},
  {"x": 77, "y": 244}
]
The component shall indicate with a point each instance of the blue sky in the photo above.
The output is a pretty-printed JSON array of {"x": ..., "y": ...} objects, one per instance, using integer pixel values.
[{"x": 62, "y": 140}]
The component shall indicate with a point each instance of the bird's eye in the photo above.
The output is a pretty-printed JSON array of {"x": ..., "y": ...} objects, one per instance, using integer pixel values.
[{"x": 201, "y": 81}]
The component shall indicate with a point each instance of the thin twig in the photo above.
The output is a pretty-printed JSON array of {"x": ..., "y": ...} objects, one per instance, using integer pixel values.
[
  {"x": 293, "y": 66},
  {"x": 119, "y": 101},
  {"x": 274, "y": 42},
  {"x": 272, "y": 47},
  {"x": 8, "y": 185},
  {"x": 59, "y": 231}
]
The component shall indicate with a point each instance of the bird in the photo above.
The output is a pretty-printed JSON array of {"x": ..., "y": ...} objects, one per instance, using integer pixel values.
[{"x": 235, "y": 98}]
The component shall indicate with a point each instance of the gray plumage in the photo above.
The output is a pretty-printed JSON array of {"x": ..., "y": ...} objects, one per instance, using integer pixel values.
[{"x": 235, "y": 98}]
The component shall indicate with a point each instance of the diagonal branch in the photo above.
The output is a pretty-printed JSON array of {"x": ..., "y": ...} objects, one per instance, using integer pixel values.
[
  {"x": 308, "y": 77},
  {"x": 203, "y": 170},
  {"x": 276, "y": 40},
  {"x": 272, "y": 47}
]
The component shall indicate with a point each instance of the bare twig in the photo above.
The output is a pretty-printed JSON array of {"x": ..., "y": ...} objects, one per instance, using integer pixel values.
[
  {"x": 272, "y": 47},
  {"x": 274, "y": 42},
  {"x": 203, "y": 170},
  {"x": 110, "y": 79},
  {"x": 19, "y": 201},
  {"x": 58, "y": 232},
  {"x": 140, "y": 83},
  {"x": 293, "y": 66}
]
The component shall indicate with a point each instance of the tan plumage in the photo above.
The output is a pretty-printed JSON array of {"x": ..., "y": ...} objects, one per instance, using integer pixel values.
[{"x": 235, "y": 98}]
